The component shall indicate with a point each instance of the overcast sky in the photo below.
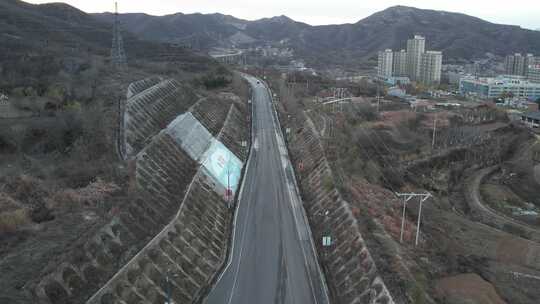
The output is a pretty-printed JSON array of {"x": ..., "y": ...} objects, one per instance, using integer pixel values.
[{"x": 525, "y": 13}]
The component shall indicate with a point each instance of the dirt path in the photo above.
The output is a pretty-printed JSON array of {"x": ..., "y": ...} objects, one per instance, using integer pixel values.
[{"x": 475, "y": 202}]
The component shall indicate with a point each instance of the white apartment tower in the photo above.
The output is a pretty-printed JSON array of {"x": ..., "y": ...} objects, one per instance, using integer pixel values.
[
  {"x": 416, "y": 63},
  {"x": 415, "y": 48},
  {"x": 518, "y": 64},
  {"x": 400, "y": 64},
  {"x": 430, "y": 68},
  {"x": 384, "y": 66},
  {"x": 529, "y": 60}
]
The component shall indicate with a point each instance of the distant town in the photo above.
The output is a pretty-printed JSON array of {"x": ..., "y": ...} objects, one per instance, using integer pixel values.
[{"x": 513, "y": 84}]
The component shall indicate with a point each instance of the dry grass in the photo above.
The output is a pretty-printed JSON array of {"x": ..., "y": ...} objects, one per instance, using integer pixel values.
[
  {"x": 90, "y": 195},
  {"x": 11, "y": 221},
  {"x": 7, "y": 203},
  {"x": 468, "y": 288}
]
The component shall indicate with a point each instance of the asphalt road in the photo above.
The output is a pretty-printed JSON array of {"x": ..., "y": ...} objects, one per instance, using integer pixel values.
[{"x": 273, "y": 259}]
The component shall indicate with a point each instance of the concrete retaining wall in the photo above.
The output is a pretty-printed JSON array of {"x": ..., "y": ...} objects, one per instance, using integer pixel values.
[
  {"x": 191, "y": 249},
  {"x": 211, "y": 112},
  {"x": 233, "y": 133},
  {"x": 163, "y": 173},
  {"x": 349, "y": 268},
  {"x": 142, "y": 85},
  {"x": 151, "y": 110},
  {"x": 173, "y": 222}
]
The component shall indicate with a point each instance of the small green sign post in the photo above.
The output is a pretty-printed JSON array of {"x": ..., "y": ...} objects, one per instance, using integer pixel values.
[{"x": 327, "y": 241}]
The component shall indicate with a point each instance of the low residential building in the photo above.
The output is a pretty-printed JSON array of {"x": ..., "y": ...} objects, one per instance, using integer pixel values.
[
  {"x": 531, "y": 119},
  {"x": 531, "y": 106},
  {"x": 396, "y": 92},
  {"x": 513, "y": 114},
  {"x": 533, "y": 73},
  {"x": 454, "y": 77},
  {"x": 393, "y": 81},
  {"x": 491, "y": 88}
]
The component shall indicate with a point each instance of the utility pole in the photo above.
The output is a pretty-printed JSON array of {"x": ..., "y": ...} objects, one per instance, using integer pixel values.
[
  {"x": 434, "y": 130},
  {"x": 378, "y": 99},
  {"x": 407, "y": 197},
  {"x": 405, "y": 200},
  {"x": 229, "y": 186},
  {"x": 168, "y": 287}
]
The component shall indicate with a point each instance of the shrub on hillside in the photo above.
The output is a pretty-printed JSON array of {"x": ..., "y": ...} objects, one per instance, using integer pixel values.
[
  {"x": 393, "y": 178},
  {"x": 8, "y": 141},
  {"x": 215, "y": 81},
  {"x": 92, "y": 195},
  {"x": 11, "y": 221}
]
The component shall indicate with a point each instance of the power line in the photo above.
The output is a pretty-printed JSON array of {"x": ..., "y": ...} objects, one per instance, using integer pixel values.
[{"x": 389, "y": 165}]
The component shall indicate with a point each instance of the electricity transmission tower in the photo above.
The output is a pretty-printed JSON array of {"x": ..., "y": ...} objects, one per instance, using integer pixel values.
[{"x": 118, "y": 55}]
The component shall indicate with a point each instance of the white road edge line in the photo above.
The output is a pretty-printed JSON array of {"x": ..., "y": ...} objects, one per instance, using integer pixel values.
[
  {"x": 247, "y": 215},
  {"x": 240, "y": 257},
  {"x": 253, "y": 139}
]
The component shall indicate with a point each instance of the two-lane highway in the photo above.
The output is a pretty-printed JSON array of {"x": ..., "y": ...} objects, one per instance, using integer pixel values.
[{"x": 273, "y": 258}]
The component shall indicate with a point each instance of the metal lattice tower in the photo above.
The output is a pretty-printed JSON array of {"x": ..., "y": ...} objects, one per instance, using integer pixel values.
[{"x": 118, "y": 55}]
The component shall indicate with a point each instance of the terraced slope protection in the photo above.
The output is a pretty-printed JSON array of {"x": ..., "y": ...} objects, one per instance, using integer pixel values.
[
  {"x": 175, "y": 224},
  {"x": 350, "y": 270},
  {"x": 150, "y": 110}
]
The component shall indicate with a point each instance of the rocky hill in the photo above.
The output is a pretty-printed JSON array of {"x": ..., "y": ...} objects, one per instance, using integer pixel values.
[
  {"x": 198, "y": 30},
  {"x": 59, "y": 27},
  {"x": 38, "y": 41},
  {"x": 459, "y": 36},
  {"x": 63, "y": 179}
]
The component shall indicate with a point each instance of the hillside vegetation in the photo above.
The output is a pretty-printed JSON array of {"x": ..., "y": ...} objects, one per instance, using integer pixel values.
[{"x": 61, "y": 176}]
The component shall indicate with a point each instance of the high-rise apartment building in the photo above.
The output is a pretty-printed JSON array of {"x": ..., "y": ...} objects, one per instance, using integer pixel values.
[
  {"x": 509, "y": 64},
  {"x": 384, "y": 68},
  {"x": 399, "y": 64},
  {"x": 518, "y": 64},
  {"x": 430, "y": 67},
  {"x": 415, "y": 48},
  {"x": 415, "y": 63}
]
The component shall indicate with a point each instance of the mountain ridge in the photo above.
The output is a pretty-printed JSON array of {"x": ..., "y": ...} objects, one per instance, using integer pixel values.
[{"x": 461, "y": 37}]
